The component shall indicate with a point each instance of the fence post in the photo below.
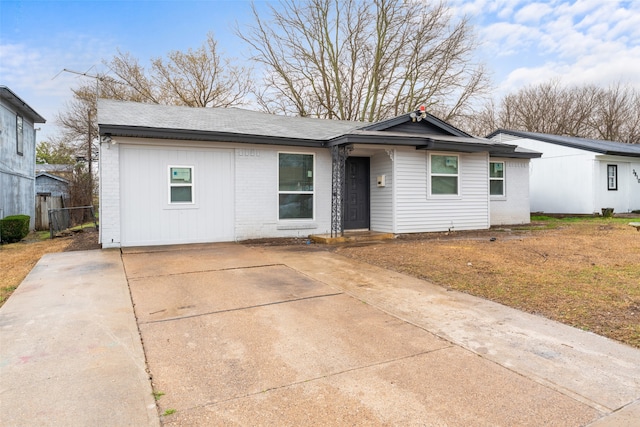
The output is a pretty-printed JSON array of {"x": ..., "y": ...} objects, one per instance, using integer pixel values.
[{"x": 50, "y": 224}]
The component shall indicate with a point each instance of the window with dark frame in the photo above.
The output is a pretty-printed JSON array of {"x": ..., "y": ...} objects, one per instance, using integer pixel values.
[
  {"x": 612, "y": 177},
  {"x": 19, "y": 136},
  {"x": 295, "y": 186}
]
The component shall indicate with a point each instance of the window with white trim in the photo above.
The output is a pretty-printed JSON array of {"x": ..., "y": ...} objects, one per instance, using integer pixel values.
[
  {"x": 612, "y": 177},
  {"x": 496, "y": 178},
  {"x": 181, "y": 184},
  {"x": 444, "y": 174},
  {"x": 295, "y": 186},
  {"x": 19, "y": 135}
]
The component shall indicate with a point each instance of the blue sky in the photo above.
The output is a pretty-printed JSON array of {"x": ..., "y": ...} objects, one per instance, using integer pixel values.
[{"x": 522, "y": 42}]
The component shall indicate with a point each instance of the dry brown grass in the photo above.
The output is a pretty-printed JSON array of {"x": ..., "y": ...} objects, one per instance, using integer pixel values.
[{"x": 584, "y": 273}]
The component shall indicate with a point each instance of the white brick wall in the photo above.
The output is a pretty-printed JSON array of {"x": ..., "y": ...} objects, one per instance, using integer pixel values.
[
  {"x": 109, "y": 195},
  {"x": 256, "y": 169}
]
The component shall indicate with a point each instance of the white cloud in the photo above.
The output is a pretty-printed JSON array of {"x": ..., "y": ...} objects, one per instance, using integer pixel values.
[
  {"x": 33, "y": 72},
  {"x": 532, "y": 12},
  {"x": 582, "y": 41}
]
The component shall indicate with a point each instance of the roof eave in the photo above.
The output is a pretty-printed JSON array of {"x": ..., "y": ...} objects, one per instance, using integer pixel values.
[
  {"x": 9, "y": 96},
  {"x": 199, "y": 135}
]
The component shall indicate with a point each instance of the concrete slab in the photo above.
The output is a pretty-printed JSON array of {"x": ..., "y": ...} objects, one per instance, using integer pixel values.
[
  {"x": 275, "y": 344},
  {"x": 418, "y": 390},
  {"x": 587, "y": 367},
  {"x": 172, "y": 296},
  {"x": 166, "y": 260},
  {"x": 217, "y": 357},
  {"x": 70, "y": 350},
  {"x": 629, "y": 416}
]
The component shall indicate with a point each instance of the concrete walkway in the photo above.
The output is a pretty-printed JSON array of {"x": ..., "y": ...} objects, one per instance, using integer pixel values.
[
  {"x": 235, "y": 335},
  {"x": 70, "y": 352}
]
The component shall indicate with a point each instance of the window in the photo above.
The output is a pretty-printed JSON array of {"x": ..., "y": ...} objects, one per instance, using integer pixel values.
[
  {"x": 496, "y": 178},
  {"x": 295, "y": 186},
  {"x": 444, "y": 174},
  {"x": 180, "y": 184},
  {"x": 612, "y": 177},
  {"x": 19, "y": 136}
]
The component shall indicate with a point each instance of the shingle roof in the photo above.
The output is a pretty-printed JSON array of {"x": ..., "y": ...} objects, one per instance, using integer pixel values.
[
  {"x": 132, "y": 119},
  {"x": 594, "y": 145},
  {"x": 220, "y": 120}
]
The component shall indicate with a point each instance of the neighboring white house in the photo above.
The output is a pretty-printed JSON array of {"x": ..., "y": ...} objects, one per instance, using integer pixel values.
[
  {"x": 578, "y": 175},
  {"x": 184, "y": 175},
  {"x": 17, "y": 155}
]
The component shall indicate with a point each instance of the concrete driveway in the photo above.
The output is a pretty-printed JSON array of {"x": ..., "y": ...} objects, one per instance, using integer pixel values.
[{"x": 235, "y": 335}]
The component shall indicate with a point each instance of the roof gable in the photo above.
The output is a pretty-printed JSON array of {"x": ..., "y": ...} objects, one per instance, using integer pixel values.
[
  {"x": 429, "y": 125},
  {"x": 50, "y": 176},
  {"x": 593, "y": 145}
]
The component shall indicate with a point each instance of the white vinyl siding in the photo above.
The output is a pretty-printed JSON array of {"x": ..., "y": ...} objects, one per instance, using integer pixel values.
[
  {"x": 381, "y": 198},
  {"x": 513, "y": 208},
  {"x": 416, "y": 211}
]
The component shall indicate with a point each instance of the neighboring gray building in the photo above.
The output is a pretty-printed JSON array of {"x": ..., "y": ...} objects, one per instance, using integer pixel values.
[
  {"x": 52, "y": 185},
  {"x": 172, "y": 175},
  {"x": 17, "y": 155}
]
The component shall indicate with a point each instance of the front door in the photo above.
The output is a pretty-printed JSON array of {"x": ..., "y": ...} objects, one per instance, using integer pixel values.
[{"x": 356, "y": 214}]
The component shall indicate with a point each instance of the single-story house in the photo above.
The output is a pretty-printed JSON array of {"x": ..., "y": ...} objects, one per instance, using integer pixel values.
[
  {"x": 172, "y": 174},
  {"x": 17, "y": 155},
  {"x": 579, "y": 175}
]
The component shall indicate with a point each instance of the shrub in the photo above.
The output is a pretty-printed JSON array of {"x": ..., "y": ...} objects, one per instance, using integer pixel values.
[{"x": 14, "y": 228}]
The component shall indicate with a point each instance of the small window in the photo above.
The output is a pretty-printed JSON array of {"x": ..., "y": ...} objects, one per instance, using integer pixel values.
[
  {"x": 19, "y": 136},
  {"x": 496, "y": 178},
  {"x": 612, "y": 177},
  {"x": 295, "y": 186},
  {"x": 444, "y": 174},
  {"x": 180, "y": 184}
]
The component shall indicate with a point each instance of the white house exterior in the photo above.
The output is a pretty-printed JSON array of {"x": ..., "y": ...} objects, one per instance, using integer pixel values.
[
  {"x": 578, "y": 175},
  {"x": 17, "y": 155},
  {"x": 173, "y": 175}
]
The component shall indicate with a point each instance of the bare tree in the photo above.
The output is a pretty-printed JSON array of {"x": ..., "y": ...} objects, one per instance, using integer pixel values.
[
  {"x": 587, "y": 111},
  {"x": 355, "y": 60},
  {"x": 617, "y": 116},
  {"x": 196, "y": 78}
]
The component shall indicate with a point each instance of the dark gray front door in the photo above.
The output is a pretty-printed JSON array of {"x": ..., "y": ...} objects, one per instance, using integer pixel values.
[{"x": 356, "y": 213}]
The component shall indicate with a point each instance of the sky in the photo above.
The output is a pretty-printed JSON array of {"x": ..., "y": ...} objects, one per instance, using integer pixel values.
[{"x": 522, "y": 42}]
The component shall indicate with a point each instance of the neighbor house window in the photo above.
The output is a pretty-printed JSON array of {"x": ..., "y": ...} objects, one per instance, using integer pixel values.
[
  {"x": 496, "y": 178},
  {"x": 19, "y": 136},
  {"x": 444, "y": 173},
  {"x": 295, "y": 186},
  {"x": 612, "y": 177},
  {"x": 181, "y": 184}
]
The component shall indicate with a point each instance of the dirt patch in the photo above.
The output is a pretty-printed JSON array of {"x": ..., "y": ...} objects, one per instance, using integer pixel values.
[{"x": 584, "y": 273}]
